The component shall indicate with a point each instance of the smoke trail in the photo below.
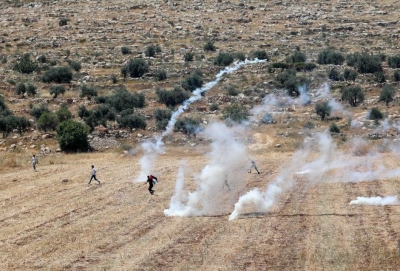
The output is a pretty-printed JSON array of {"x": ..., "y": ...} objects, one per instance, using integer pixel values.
[
  {"x": 389, "y": 200},
  {"x": 304, "y": 97},
  {"x": 218, "y": 181},
  {"x": 179, "y": 196},
  {"x": 153, "y": 147}
]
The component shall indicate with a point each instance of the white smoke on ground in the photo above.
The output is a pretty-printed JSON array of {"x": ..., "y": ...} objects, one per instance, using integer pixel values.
[
  {"x": 304, "y": 96},
  {"x": 319, "y": 161},
  {"x": 380, "y": 201},
  {"x": 151, "y": 148},
  {"x": 179, "y": 196},
  {"x": 219, "y": 181}
]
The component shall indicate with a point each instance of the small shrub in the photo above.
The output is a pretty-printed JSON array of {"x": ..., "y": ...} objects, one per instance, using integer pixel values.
[
  {"x": 236, "y": 113},
  {"x": 26, "y": 65},
  {"x": 132, "y": 121},
  {"x": 75, "y": 65},
  {"x": 56, "y": 90},
  {"x": 353, "y": 95},
  {"x": 350, "y": 75},
  {"x": 188, "y": 126},
  {"x": 126, "y": 50},
  {"x": 309, "y": 125},
  {"x": 188, "y": 56},
  {"x": 20, "y": 89},
  {"x": 396, "y": 76},
  {"x": 394, "y": 62},
  {"x": 172, "y": 97},
  {"x": 88, "y": 91},
  {"x": 31, "y": 89},
  {"x": 380, "y": 77},
  {"x": 135, "y": 68},
  {"x": 58, "y": 75},
  {"x": 42, "y": 59},
  {"x": 334, "y": 75},
  {"x": 36, "y": 112},
  {"x": 298, "y": 56},
  {"x": 387, "y": 94},
  {"x": 375, "y": 114},
  {"x": 214, "y": 107},
  {"x": 240, "y": 56},
  {"x": 47, "y": 121},
  {"x": 63, "y": 113},
  {"x": 364, "y": 62},
  {"x": 123, "y": 99},
  {"x": 83, "y": 112},
  {"x": 162, "y": 117},
  {"x": 72, "y": 136},
  {"x": 150, "y": 51},
  {"x": 334, "y": 129},
  {"x": 261, "y": 54},
  {"x": 223, "y": 59},
  {"x": 328, "y": 56},
  {"x": 193, "y": 81},
  {"x": 114, "y": 79},
  {"x": 209, "y": 46},
  {"x": 160, "y": 75},
  {"x": 323, "y": 109},
  {"x": 63, "y": 21},
  {"x": 232, "y": 90}
]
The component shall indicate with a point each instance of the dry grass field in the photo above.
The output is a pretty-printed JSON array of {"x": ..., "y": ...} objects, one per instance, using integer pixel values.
[{"x": 53, "y": 220}]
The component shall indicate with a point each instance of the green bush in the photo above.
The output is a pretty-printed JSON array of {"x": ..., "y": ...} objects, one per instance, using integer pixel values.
[
  {"x": 150, "y": 51},
  {"x": 304, "y": 66},
  {"x": 188, "y": 126},
  {"x": 214, "y": 107},
  {"x": 162, "y": 117},
  {"x": 83, "y": 112},
  {"x": 63, "y": 113},
  {"x": 396, "y": 76},
  {"x": 158, "y": 48},
  {"x": 353, "y": 95},
  {"x": 298, "y": 56},
  {"x": 232, "y": 90},
  {"x": 56, "y": 90},
  {"x": 11, "y": 122},
  {"x": 72, "y": 136},
  {"x": 75, "y": 65},
  {"x": 209, "y": 46},
  {"x": 123, "y": 99},
  {"x": 334, "y": 129},
  {"x": 160, "y": 75},
  {"x": 126, "y": 50},
  {"x": 280, "y": 65},
  {"x": 132, "y": 121},
  {"x": 240, "y": 56},
  {"x": 63, "y": 21},
  {"x": 309, "y": 125},
  {"x": 235, "y": 113},
  {"x": 88, "y": 91},
  {"x": 20, "y": 89},
  {"x": 335, "y": 75},
  {"x": 58, "y": 75},
  {"x": 135, "y": 68},
  {"x": 193, "y": 81},
  {"x": 172, "y": 97},
  {"x": 380, "y": 77},
  {"x": 4, "y": 110},
  {"x": 394, "y": 62},
  {"x": 375, "y": 114},
  {"x": 188, "y": 56},
  {"x": 25, "y": 64},
  {"x": 350, "y": 75},
  {"x": 387, "y": 94},
  {"x": 323, "y": 109},
  {"x": 364, "y": 62},
  {"x": 36, "y": 112},
  {"x": 42, "y": 59},
  {"x": 223, "y": 59},
  {"x": 114, "y": 78},
  {"x": 260, "y": 54},
  {"x": 328, "y": 56},
  {"x": 47, "y": 121},
  {"x": 31, "y": 89}
]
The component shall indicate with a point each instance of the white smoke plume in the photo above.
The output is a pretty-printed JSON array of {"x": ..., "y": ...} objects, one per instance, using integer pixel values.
[
  {"x": 327, "y": 164},
  {"x": 389, "y": 200},
  {"x": 153, "y": 147},
  {"x": 304, "y": 97},
  {"x": 219, "y": 181}
]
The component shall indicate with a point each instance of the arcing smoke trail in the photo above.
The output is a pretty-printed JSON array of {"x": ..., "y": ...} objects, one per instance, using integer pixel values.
[
  {"x": 153, "y": 147},
  {"x": 389, "y": 200}
]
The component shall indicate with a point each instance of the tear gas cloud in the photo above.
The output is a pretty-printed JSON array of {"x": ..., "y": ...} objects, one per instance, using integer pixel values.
[
  {"x": 389, "y": 200},
  {"x": 227, "y": 162},
  {"x": 153, "y": 147}
]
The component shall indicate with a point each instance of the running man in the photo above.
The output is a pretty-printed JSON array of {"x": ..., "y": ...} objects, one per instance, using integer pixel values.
[
  {"x": 226, "y": 182},
  {"x": 152, "y": 180},
  {"x": 34, "y": 162},
  {"x": 93, "y": 175},
  {"x": 253, "y": 165}
]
